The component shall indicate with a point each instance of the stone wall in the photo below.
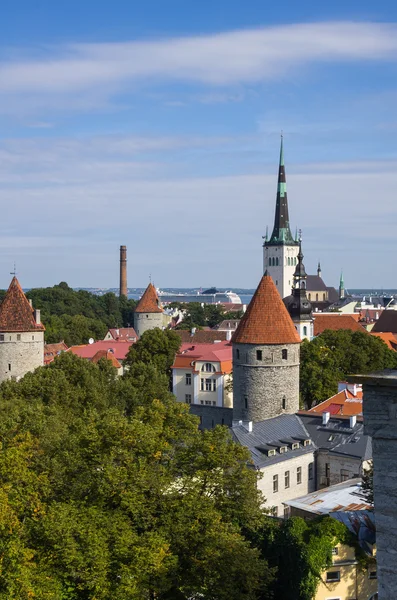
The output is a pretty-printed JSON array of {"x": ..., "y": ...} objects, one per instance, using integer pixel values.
[
  {"x": 351, "y": 466},
  {"x": 145, "y": 321},
  {"x": 210, "y": 416},
  {"x": 266, "y": 387},
  {"x": 20, "y": 353},
  {"x": 380, "y": 422}
]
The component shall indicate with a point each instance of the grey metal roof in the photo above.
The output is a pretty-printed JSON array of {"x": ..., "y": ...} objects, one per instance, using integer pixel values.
[
  {"x": 314, "y": 283},
  {"x": 271, "y": 434},
  {"x": 362, "y": 524},
  {"x": 343, "y": 496},
  {"x": 338, "y": 437}
]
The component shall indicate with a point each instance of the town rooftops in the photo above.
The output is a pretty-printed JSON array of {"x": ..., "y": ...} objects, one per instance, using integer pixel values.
[
  {"x": 268, "y": 438},
  {"x": 16, "y": 313},
  {"x": 348, "y": 401},
  {"x": 340, "y": 435},
  {"x": 109, "y": 355},
  {"x": 200, "y": 336},
  {"x": 52, "y": 350},
  {"x": 266, "y": 320},
  {"x": 120, "y": 349},
  {"x": 335, "y": 321},
  {"x": 149, "y": 303},
  {"x": 213, "y": 353},
  {"x": 123, "y": 334},
  {"x": 386, "y": 322},
  {"x": 343, "y": 496},
  {"x": 389, "y": 338},
  {"x": 314, "y": 283}
]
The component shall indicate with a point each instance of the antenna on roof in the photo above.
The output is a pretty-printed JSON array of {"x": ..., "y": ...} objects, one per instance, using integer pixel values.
[{"x": 14, "y": 272}]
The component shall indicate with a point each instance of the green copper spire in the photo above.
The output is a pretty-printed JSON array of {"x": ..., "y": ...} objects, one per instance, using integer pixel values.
[
  {"x": 281, "y": 230},
  {"x": 341, "y": 282}
]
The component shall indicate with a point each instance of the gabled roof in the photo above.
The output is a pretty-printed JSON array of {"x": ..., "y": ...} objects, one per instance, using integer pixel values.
[
  {"x": 16, "y": 314},
  {"x": 109, "y": 355},
  {"x": 52, "y": 350},
  {"x": 314, "y": 283},
  {"x": 390, "y": 339},
  {"x": 218, "y": 353},
  {"x": 266, "y": 320},
  {"x": 149, "y": 303},
  {"x": 120, "y": 349},
  {"x": 386, "y": 322},
  {"x": 344, "y": 402},
  {"x": 335, "y": 321},
  {"x": 124, "y": 334}
]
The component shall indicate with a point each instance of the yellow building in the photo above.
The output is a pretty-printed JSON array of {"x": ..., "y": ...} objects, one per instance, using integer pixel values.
[{"x": 347, "y": 579}]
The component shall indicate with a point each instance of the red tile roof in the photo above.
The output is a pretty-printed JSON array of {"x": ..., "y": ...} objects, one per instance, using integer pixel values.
[
  {"x": 266, "y": 320},
  {"x": 344, "y": 402},
  {"x": 200, "y": 336},
  {"x": 335, "y": 322},
  {"x": 389, "y": 338},
  {"x": 149, "y": 303},
  {"x": 120, "y": 349},
  {"x": 52, "y": 350},
  {"x": 109, "y": 355},
  {"x": 16, "y": 314},
  {"x": 124, "y": 333},
  {"x": 219, "y": 352}
]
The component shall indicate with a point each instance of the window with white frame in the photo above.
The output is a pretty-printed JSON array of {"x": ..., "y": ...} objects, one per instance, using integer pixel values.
[
  {"x": 299, "y": 475},
  {"x": 286, "y": 479},
  {"x": 208, "y": 385},
  {"x": 188, "y": 398},
  {"x": 335, "y": 551},
  {"x": 208, "y": 368},
  {"x": 188, "y": 379},
  {"x": 275, "y": 484}
]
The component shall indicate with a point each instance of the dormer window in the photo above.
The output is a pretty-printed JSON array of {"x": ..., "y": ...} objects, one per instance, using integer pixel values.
[
  {"x": 306, "y": 442},
  {"x": 295, "y": 446},
  {"x": 283, "y": 449},
  {"x": 271, "y": 453}
]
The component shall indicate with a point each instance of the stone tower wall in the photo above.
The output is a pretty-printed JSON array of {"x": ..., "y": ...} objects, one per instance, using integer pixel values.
[
  {"x": 380, "y": 422},
  {"x": 145, "y": 321},
  {"x": 282, "y": 274},
  {"x": 20, "y": 353},
  {"x": 261, "y": 385}
]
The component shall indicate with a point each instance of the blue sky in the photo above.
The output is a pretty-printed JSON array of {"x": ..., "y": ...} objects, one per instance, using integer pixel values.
[{"x": 157, "y": 125}]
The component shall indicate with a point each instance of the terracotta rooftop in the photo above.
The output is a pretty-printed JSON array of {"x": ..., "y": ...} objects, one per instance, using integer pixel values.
[
  {"x": 52, "y": 350},
  {"x": 389, "y": 338},
  {"x": 16, "y": 314},
  {"x": 124, "y": 334},
  {"x": 120, "y": 349},
  {"x": 348, "y": 402},
  {"x": 109, "y": 355},
  {"x": 266, "y": 320},
  {"x": 219, "y": 353},
  {"x": 335, "y": 322},
  {"x": 200, "y": 336},
  {"x": 149, "y": 302}
]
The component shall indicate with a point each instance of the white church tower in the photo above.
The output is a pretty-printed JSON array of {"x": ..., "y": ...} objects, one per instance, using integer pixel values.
[{"x": 280, "y": 252}]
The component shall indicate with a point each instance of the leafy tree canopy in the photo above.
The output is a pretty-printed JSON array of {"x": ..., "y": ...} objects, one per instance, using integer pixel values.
[
  {"x": 333, "y": 355},
  {"x": 109, "y": 490},
  {"x": 155, "y": 347},
  {"x": 203, "y": 315}
]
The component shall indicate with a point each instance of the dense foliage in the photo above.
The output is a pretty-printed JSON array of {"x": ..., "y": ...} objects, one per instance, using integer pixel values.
[
  {"x": 203, "y": 315},
  {"x": 109, "y": 490},
  {"x": 333, "y": 355},
  {"x": 300, "y": 551},
  {"x": 155, "y": 347},
  {"x": 75, "y": 316},
  {"x": 367, "y": 485}
]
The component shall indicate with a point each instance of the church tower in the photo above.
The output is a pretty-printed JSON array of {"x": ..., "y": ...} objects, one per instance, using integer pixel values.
[
  {"x": 341, "y": 287},
  {"x": 21, "y": 335},
  {"x": 280, "y": 252},
  {"x": 265, "y": 358},
  {"x": 298, "y": 305},
  {"x": 148, "y": 313}
]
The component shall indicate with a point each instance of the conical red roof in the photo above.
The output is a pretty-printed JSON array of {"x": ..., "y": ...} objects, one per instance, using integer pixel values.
[
  {"x": 16, "y": 314},
  {"x": 149, "y": 303},
  {"x": 266, "y": 320}
]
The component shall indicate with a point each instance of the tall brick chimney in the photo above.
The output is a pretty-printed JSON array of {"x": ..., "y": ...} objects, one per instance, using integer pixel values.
[{"x": 123, "y": 270}]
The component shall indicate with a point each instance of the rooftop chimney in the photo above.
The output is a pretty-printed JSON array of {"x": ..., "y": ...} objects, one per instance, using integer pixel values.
[
  {"x": 229, "y": 335},
  {"x": 37, "y": 316},
  {"x": 123, "y": 271},
  {"x": 326, "y": 416},
  {"x": 353, "y": 421}
]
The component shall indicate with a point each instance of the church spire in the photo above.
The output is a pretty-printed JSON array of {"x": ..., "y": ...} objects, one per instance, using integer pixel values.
[
  {"x": 281, "y": 231},
  {"x": 341, "y": 286}
]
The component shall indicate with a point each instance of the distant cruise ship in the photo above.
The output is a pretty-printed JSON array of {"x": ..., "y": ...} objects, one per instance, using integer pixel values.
[{"x": 210, "y": 296}]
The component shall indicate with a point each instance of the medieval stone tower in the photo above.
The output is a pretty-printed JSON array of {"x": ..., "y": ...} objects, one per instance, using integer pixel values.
[
  {"x": 265, "y": 358},
  {"x": 280, "y": 252},
  {"x": 148, "y": 313},
  {"x": 21, "y": 335}
]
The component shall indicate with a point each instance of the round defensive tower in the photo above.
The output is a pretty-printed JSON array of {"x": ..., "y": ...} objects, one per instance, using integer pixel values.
[
  {"x": 148, "y": 312},
  {"x": 265, "y": 358},
  {"x": 21, "y": 335}
]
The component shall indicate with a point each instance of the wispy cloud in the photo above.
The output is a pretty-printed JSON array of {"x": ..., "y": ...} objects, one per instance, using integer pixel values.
[{"x": 90, "y": 74}]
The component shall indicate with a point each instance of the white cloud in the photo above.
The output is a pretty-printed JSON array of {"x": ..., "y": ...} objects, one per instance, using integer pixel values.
[{"x": 220, "y": 59}]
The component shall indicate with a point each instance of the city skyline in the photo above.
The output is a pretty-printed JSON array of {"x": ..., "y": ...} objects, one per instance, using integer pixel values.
[{"x": 159, "y": 129}]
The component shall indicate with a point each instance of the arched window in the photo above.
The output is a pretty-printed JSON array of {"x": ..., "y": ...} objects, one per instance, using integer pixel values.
[
  {"x": 295, "y": 261},
  {"x": 323, "y": 296},
  {"x": 303, "y": 285},
  {"x": 208, "y": 367},
  {"x": 283, "y": 403},
  {"x": 284, "y": 354},
  {"x": 289, "y": 261},
  {"x": 276, "y": 261},
  {"x": 316, "y": 297},
  {"x": 305, "y": 330},
  {"x": 270, "y": 262}
]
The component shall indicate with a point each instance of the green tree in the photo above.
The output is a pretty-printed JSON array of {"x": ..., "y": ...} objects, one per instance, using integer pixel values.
[
  {"x": 367, "y": 485},
  {"x": 155, "y": 347},
  {"x": 333, "y": 355},
  {"x": 103, "y": 497}
]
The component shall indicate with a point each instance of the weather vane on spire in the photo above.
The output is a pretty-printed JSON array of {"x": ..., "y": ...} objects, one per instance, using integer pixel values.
[{"x": 14, "y": 272}]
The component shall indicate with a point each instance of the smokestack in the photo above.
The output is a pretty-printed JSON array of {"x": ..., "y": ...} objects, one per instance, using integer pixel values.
[{"x": 123, "y": 271}]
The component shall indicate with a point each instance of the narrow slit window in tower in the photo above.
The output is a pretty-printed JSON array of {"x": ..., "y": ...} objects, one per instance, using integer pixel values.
[{"x": 284, "y": 354}]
